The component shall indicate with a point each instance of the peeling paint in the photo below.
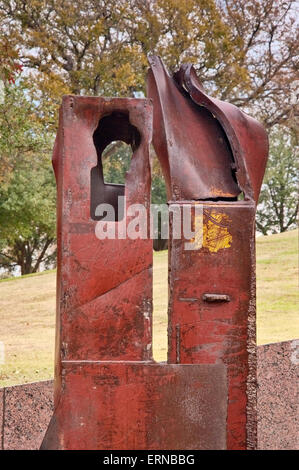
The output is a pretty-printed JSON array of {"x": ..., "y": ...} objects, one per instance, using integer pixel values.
[{"x": 215, "y": 231}]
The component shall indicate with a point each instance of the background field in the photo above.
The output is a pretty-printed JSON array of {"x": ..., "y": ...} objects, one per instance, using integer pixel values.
[{"x": 27, "y": 310}]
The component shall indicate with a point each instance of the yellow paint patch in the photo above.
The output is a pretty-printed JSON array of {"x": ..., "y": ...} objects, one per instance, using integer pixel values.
[{"x": 215, "y": 232}]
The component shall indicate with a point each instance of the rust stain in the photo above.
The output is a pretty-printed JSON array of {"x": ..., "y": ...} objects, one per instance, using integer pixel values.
[{"x": 217, "y": 192}]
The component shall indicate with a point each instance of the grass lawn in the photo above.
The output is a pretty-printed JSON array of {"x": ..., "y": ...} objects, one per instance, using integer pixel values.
[{"x": 27, "y": 310}]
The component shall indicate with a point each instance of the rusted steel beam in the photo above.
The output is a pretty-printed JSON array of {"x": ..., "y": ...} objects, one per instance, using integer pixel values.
[
  {"x": 109, "y": 393},
  {"x": 208, "y": 148},
  {"x": 210, "y": 153},
  {"x": 104, "y": 287},
  {"x": 218, "y": 328},
  {"x": 93, "y": 273}
]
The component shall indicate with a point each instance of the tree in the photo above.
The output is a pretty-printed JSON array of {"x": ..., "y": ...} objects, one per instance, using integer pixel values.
[
  {"x": 243, "y": 50},
  {"x": 270, "y": 40},
  {"x": 116, "y": 160},
  {"x": 9, "y": 66},
  {"x": 21, "y": 132},
  {"x": 27, "y": 193},
  {"x": 278, "y": 204}
]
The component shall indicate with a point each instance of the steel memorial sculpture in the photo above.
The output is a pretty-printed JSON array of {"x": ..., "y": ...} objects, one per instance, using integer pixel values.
[{"x": 109, "y": 392}]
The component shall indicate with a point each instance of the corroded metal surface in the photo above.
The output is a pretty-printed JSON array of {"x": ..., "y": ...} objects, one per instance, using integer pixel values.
[
  {"x": 109, "y": 393},
  {"x": 98, "y": 279},
  {"x": 210, "y": 153},
  {"x": 208, "y": 149},
  {"x": 140, "y": 406},
  {"x": 104, "y": 287},
  {"x": 104, "y": 399},
  {"x": 211, "y": 306}
]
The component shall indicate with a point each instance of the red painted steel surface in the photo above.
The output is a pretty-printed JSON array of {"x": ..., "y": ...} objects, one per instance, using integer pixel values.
[
  {"x": 210, "y": 152},
  {"x": 223, "y": 331},
  {"x": 92, "y": 272},
  {"x": 246, "y": 136},
  {"x": 207, "y": 148},
  {"x": 109, "y": 393},
  {"x": 104, "y": 287},
  {"x": 140, "y": 406}
]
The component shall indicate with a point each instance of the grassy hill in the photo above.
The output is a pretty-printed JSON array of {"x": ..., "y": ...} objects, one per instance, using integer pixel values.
[{"x": 27, "y": 310}]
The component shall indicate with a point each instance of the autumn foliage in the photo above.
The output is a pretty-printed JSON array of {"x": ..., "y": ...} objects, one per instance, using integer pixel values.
[{"x": 244, "y": 52}]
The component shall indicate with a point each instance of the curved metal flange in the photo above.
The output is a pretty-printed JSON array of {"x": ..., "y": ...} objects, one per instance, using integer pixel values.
[{"x": 217, "y": 148}]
